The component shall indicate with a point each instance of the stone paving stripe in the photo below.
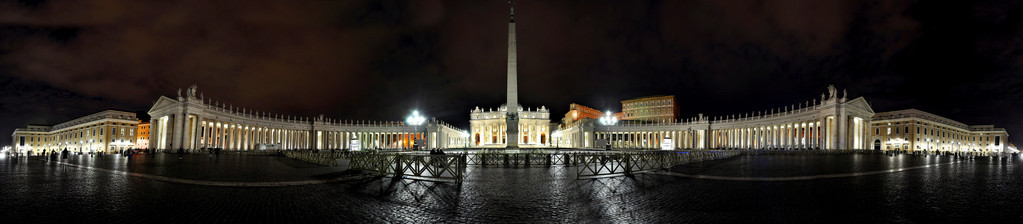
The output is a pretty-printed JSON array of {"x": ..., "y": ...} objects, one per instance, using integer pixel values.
[
  {"x": 215, "y": 183},
  {"x": 811, "y": 177}
]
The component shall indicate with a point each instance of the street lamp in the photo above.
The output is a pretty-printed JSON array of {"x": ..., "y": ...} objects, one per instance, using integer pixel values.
[
  {"x": 608, "y": 120},
  {"x": 415, "y": 120}
]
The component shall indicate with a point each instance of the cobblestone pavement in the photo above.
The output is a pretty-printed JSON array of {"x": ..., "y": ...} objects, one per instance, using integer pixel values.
[{"x": 960, "y": 190}]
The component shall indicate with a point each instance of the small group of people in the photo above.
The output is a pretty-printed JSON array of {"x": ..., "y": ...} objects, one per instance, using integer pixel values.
[
  {"x": 214, "y": 152},
  {"x": 54, "y": 155},
  {"x": 130, "y": 152},
  {"x": 437, "y": 152}
]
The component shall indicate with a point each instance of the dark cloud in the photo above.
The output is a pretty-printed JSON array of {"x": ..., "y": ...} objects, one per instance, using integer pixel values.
[{"x": 376, "y": 60}]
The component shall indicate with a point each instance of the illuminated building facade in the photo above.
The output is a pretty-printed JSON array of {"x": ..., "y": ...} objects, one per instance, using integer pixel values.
[
  {"x": 832, "y": 123},
  {"x": 488, "y": 127},
  {"x": 106, "y": 131},
  {"x": 915, "y": 130},
  {"x": 192, "y": 122},
  {"x": 577, "y": 112},
  {"x": 660, "y": 109},
  {"x": 142, "y": 135}
]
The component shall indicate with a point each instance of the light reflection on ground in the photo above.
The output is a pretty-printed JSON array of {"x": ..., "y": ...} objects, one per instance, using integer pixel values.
[{"x": 919, "y": 189}]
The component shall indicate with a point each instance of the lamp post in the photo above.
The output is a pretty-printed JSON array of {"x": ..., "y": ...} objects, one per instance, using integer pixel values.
[
  {"x": 607, "y": 120},
  {"x": 415, "y": 120},
  {"x": 465, "y": 138},
  {"x": 557, "y": 136}
]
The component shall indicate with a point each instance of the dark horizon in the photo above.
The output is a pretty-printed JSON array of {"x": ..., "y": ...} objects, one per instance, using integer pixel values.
[{"x": 371, "y": 60}]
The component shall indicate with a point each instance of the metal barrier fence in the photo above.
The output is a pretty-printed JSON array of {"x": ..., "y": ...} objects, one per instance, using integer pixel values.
[
  {"x": 518, "y": 159},
  {"x": 588, "y": 164},
  {"x": 593, "y": 165},
  {"x": 537, "y": 158},
  {"x": 445, "y": 167}
]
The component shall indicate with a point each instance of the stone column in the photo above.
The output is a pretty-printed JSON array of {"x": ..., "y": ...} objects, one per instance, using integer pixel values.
[
  {"x": 224, "y": 136},
  {"x": 216, "y": 135},
  {"x": 154, "y": 135},
  {"x": 197, "y": 132},
  {"x": 232, "y": 139}
]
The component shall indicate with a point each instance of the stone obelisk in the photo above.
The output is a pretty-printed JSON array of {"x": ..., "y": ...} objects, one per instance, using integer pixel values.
[{"x": 512, "y": 116}]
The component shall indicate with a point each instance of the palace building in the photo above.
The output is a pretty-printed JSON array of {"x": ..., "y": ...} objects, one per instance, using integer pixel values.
[
  {"x": 659, "y": 109},
  {"x": 107, "y": 131},
  {"x": 577, "y": 112},
  {"x": 915, "y": 130},
  {"x": 142, "y": 135}
]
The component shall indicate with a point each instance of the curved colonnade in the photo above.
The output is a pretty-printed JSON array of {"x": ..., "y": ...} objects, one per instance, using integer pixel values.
[
  {"x": 191, "y": 123},
  {"x": 835, "y": 123}
]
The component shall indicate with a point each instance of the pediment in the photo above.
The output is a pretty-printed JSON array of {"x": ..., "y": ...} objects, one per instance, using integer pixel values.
[
  {"x": 161, "y": 103},
  {"x": 860, "y": 103}
]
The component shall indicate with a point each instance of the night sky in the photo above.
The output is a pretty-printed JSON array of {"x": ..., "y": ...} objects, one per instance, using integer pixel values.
[{"x": 378, "y": 60}]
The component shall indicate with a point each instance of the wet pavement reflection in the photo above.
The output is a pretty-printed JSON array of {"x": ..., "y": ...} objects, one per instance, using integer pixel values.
[{"x": 954, "y": 189}]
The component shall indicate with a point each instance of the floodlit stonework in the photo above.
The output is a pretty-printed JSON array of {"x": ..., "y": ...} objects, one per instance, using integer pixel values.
[
  {"x": 494, "y": 128},
  {"x": 488, "y": 127},
  {"x": 106, "y": 131},
  {"x": 834, "y": 122},
  {"x": 577, "y": 112},
  {"x": 142, "y": 135},
  {"x": 915, "y": 130},
  {"x": 192, "y": 122},
  {"x": 659, "y": 109}
]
